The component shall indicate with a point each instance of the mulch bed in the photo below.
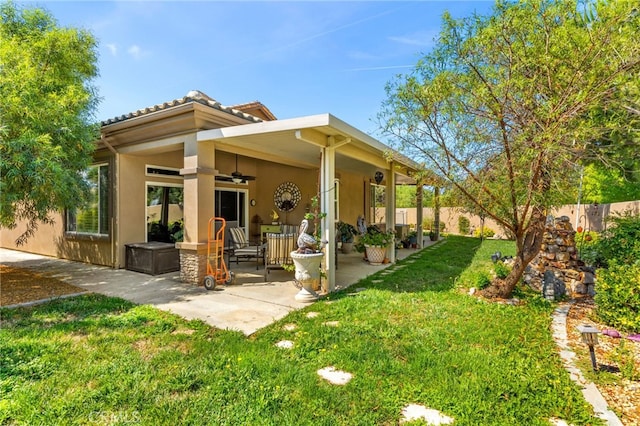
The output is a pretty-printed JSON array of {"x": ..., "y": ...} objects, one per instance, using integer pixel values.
[
  {"x": 22, "y": 286},
  {"x": 623, "y": 396}
]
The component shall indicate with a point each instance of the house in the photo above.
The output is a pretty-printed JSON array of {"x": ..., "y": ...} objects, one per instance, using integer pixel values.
[{"x": 162, "y": 172}]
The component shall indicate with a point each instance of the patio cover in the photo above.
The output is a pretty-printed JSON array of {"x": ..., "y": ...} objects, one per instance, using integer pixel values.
[{"x": 319, "y": 140}]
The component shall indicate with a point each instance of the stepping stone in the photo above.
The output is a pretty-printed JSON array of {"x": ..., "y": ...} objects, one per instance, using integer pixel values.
[
  {"x": 416, "y": 412},
  {"x": 312, "y": 314},
  {"x": 375, "y": 281},
  {"x": 331, "y": 323},
  {"x": 359, "y": 289},
  {"x": 335, "y": 377},
  {"x": 559, "y": 422},
  {"x": 289, "y": 327},
  {"x": 285, "y": 344}
]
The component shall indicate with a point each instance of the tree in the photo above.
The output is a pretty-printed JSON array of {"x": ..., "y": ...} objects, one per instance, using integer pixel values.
[
  {"x": 609, "y": 185},
  {"x": 46, "y": 114},
  {"x": 505, "y": 107}
]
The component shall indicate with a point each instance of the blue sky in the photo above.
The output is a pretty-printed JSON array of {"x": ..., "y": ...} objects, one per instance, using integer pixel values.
[{"x": 297, "y": 58}]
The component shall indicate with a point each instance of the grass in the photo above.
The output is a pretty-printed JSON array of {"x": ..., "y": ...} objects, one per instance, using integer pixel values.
[{"x": 410, "y": 337}]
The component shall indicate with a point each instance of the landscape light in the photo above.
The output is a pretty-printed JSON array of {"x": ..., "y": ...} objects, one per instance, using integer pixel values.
[{"x": 590, "y": 338}]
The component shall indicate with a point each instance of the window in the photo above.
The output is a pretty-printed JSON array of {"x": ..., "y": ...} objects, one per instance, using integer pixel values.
[
  {"x": 232, "y": 206},
  {"x": 165, "y": 212},
  {"x": 93, "y": 218},
  {"x": 162, "y": 171}
]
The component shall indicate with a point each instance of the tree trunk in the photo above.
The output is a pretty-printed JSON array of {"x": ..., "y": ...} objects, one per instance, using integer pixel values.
[
  {"x": 528, "y": 244},
  {"x": 436, "y": 212}
]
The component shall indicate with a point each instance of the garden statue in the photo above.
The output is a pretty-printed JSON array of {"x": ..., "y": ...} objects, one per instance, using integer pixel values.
[{"x": 306, "y": 243}]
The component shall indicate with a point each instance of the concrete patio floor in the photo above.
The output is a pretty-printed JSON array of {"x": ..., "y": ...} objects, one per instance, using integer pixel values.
[{"x": 246, "y": 306}]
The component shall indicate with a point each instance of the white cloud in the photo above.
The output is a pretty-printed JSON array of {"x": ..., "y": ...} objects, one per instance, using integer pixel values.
[
  {"x": 112, "y": 48},
  {"x": 421, "y": 38},
  {"x": 136, "y": 51}
]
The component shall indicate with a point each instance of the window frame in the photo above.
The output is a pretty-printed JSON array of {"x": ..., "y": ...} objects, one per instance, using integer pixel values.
[{"x": 103, "y": 222}]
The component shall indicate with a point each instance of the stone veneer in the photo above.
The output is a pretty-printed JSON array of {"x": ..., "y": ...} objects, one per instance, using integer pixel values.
[
  {"x": 557, "y": 270},
  {"x": 193, "y": 267}
]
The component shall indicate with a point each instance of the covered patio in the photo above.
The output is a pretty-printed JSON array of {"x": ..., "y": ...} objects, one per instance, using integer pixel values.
[
  {"x": 246, "y": 306},
  {"x": 326, "y": 147}
]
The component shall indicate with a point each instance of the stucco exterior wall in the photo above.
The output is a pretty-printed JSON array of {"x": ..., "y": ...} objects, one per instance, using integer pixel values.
[
  {"x": 50, "y": 239},
  {"x": 132, "y": 197}
]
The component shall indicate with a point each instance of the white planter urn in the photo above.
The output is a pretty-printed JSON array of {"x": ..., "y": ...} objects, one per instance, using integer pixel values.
[{"x": 307, "y": 274}]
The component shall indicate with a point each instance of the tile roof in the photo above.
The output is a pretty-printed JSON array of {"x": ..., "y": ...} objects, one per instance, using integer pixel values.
[
  {"x": 192, "y": 96},
  {"x": 255, "y": 105}
]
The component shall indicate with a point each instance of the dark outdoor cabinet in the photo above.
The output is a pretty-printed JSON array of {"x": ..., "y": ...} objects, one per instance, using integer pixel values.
[{"x": 152, "y": 258}]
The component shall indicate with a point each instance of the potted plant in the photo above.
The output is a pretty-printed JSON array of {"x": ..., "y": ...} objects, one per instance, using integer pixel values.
[
  {"x": 346, "y": 233},
  {"x": 413, "y": 239},
  {"x": 376, "y": 243}
]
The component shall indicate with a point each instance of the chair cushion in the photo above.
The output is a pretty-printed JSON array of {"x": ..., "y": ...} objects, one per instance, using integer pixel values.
[
  {"x": 279, "y": 248},
  {"x": 238, "y": 239}
]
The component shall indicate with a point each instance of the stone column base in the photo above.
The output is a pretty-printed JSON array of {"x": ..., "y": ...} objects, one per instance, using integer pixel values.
[{"x": 193, "y": 266}]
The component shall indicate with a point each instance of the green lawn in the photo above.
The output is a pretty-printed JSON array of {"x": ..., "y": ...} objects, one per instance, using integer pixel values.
[{"x": 410, "y": 338}]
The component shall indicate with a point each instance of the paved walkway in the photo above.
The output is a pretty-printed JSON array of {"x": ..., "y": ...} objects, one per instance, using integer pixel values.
[{"x": 247, "y": 306}]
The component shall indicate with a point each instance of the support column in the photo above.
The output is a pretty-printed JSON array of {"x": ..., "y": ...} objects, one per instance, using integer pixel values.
[
  {"x": 199, "y": 187},
  {"x": 390, "y": 208},
  {"x": 327, "y": 195},
  {"x": 419, "y": 213}
]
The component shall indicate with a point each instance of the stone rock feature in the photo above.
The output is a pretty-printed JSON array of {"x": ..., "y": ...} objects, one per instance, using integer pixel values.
[{"x": 557, "y": 271}]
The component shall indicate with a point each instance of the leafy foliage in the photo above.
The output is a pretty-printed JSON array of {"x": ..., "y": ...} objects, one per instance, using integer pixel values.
[
  {"x": 618, "y": 296},
  {"x": 46, "y": 111},
  {"x": 486, "y": 232},
  {"x": 621, "y": 241},
  {"x": 346, "y": 231},
  {"x": 464, "y": 225},
  {"x": 507, "y": 106},
  {"x": 610, "y": 185},
  {"x": 376, "y": 237}
]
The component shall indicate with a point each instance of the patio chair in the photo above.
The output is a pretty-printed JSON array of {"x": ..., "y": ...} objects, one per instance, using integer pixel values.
[
  {"x": 290, "y": 229},
  {"x": 241, "y": 249},
  {"x": 277, "y": 252}
]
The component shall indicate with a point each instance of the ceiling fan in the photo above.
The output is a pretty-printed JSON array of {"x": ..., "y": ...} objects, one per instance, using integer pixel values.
[{"x": 238, "y": 177}]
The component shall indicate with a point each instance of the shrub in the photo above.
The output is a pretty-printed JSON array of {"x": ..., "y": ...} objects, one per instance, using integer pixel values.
[
  {"x": 486, "y": 232},
  {"x": 480, "y": 279},
  {"x": 429, "y": 223},
  {"x": 618, "y": 296},
  {"x": 587, "y": 245},
  {"x": 501, "y": 269},
  {"x": 463, "y": 225},
  {"x": 621, "y": 241},
  {"x": 625, "y": 359}
]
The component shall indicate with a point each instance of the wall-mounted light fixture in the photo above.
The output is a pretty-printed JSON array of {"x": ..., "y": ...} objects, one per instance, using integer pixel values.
[{"x": 378, "y": 177}]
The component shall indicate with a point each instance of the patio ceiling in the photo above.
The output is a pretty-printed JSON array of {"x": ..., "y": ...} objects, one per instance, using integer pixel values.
[{"x": 299, "y": 142}]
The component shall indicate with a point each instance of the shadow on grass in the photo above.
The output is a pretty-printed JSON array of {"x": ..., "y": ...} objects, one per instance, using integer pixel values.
[
  {"x": 432, "y": 269},
  {"x": 66, "y": 313}
]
